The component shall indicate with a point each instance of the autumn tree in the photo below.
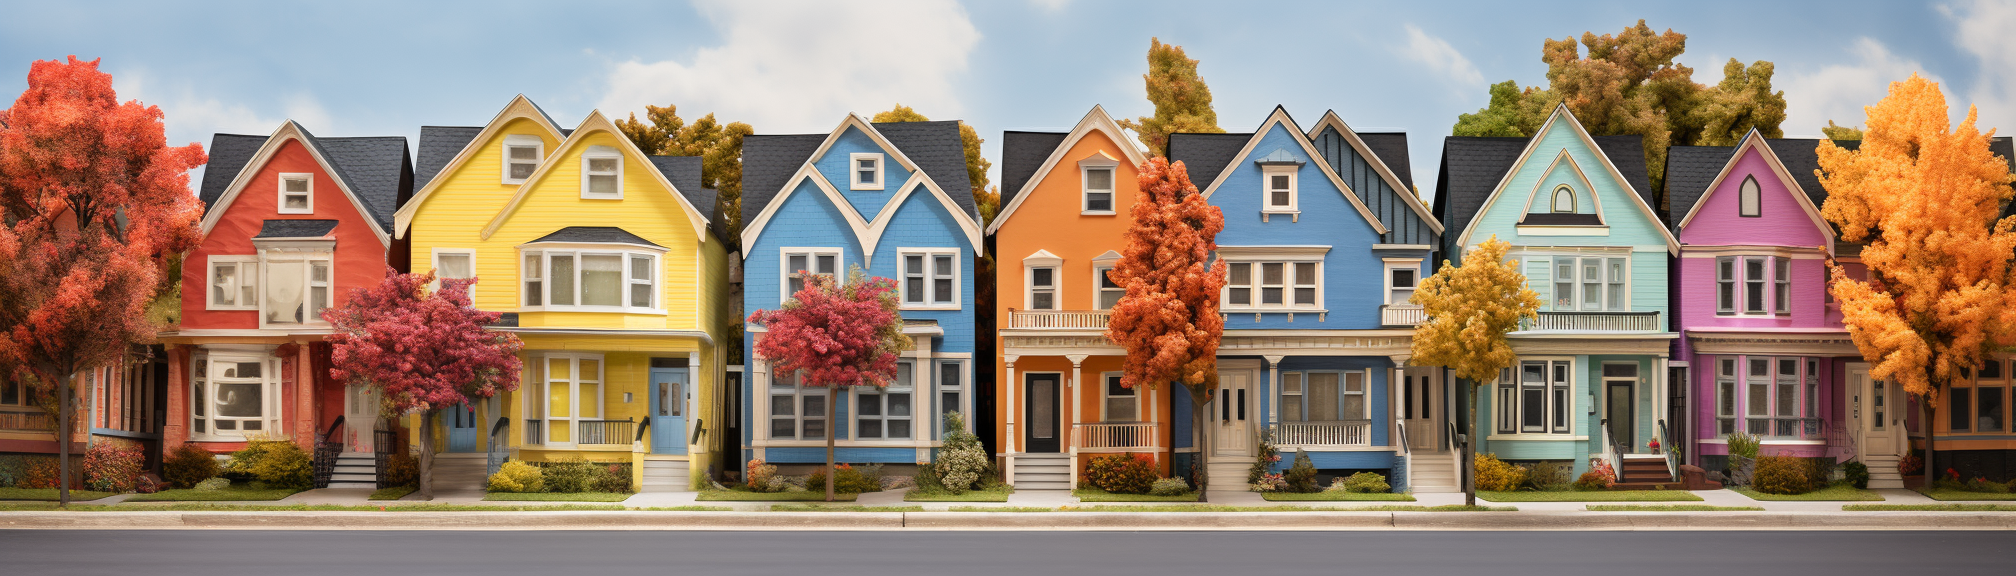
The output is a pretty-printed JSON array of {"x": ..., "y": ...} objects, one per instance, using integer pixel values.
[
  {"x": 1839, "y": 132},
  {"x": 1924, "y": 199},
  {"x": 834, "y": 335},
  {"x": 1630, "y": 83},
  {"x": 94, "y": 205},
  {"x": 421, "y": 351},
  {"x": 1471, "y": 309},
  {"x": 1182, "y": 101},
  {"x": 1168, "y": 320},
  {"x": 718, "y": 145}
]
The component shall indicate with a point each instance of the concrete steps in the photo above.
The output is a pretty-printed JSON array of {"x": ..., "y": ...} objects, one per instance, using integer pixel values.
[
  {"x": 1227, "y": 475},
  {"x": 1042, "y": 472},
  {"x": 461, "y": 471},
  {"x": 1883, "y": 473},
  {"x": 666, "y": 476},
  {"x": 1433, "y": 473},
  {"x": 355, "y": 470}
]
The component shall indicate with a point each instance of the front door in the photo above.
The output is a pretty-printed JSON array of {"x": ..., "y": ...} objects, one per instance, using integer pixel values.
[
  {"x": 1041, "y": 412},
  {"x": 1421, "y": 400},
  {"x": 1875, "y": 405},
  {"x": 1618, "y": 409},
  {"x": 1232, "y": 425},
  {"x": 463, "y": 428},
  {"x": 668, "y": 410},
  {"x": 360, "y": 418}
]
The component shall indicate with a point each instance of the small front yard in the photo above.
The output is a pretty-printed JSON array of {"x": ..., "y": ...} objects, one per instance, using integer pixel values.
[
  {"x": 1097, "y": 495},
  {"x": 557, "y": 497},
  {"x": 997, "y": 494},
  {"x": 233, "y": 493},
  {"x": 1336, "y": 496},
  {"x": 1590, "y": 496},
  {"x": 745, "y": 495},
  {"x": 49, "y": 494},
  {"x": 1669, "y": 508},
  {"x": 1833, "y": 493},
  {"x": 393, "y": 493},
  {"x": 1952, "y": 494},
  {"x": 842, "y": 508},
  {"x": 1929, "y": 507},
  {"x": 1222, "y": 508}
]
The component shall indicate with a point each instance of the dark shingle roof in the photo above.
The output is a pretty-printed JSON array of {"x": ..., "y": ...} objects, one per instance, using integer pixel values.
[
  {"x": 1627, "y": 152},
  {"x": 769, "y": 161},
  {"x": 295, "y": 228},
  {"x": 228, "y": 155},
  {"x": 1689, "y": 171},
  {"x": 1022, "y": 153},
  {"x": 595, "y": 235},
  {"x": 438, "y": 145},
  {"x": 1391, "y": 148},
  {"x": 1471, "y": 168},
  {"x": 1204, "y": 156},
  {"x": 376, "y": 168},
  {"x": 684, "y": 172}
]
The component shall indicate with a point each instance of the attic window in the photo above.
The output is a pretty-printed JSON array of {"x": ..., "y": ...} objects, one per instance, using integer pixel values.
[
  {"x": 1564, "y": 200},
  {"x": 521, "y": 157},
  {"x": 297, "y": 194},
  {"x": 1748, "y": 204},
  {"x": 864, "y": 171},
  {"x": 1280, "y": 188},
  {"x": 602, "y": 173}
]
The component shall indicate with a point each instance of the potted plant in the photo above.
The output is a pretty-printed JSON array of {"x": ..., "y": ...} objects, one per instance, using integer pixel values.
[{"x": 1654, "y": 446}]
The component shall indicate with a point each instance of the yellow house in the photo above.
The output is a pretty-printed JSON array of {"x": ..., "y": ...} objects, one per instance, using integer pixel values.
[{"x": 608, "y": 264}]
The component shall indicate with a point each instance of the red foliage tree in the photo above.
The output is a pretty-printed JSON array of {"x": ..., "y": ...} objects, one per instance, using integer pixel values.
[
  {"x": 835, "y": 335},
  {"x": 94, "y": 208},
  {"x": 1168, "y": 321},
  {"x": 422, "y": 351}
]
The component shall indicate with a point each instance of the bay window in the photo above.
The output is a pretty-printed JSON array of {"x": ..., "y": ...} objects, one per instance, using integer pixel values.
[
  {"x": 1741, "y": 283},
  {"x": 796, "y": 412},
  {"x": 884, "y": 413},
  {"x": 1590, "y": 283},
  {"x": 297, "y": 288},
  {"x": 1287, "y": 285},
  {"x": 1535, "y": 398},
  {"x": 1753, "y": 284},
  {"x": 234, "y": 396},
  {"x": 1781, "y": 276},
  {"x": 1779, "y": 396},
  {"x": 801, "y": 263},
  {"x": 1725, "y": 285},
  {"x": 930, "y": 277},
  {"x": 590, "y": 278}
]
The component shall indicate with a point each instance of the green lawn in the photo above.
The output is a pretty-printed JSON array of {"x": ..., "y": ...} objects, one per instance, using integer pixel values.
[
  {"x": 1590, "y": 496},
  {"x": 557, "y": 497},
  {"x": 235, "y": 493},
  {"x": 49, "y": 494},
  {"x": 1097, "y": 495},
  {"x": 999, "y": 494},
  {"x": 1000, "y": 509},
  {"x": 1336, "y": 496},
  {"x": 1670, "y": 508},
  {"x": 205, "y": 507},
  {"x": 1929, "y": 507},
  {"x": 1221, "y": 508},
  {"x": 685, "y": 509},
  {"x": 844, "y": 508},
  {"x": 747, "y": 496},
  {"x": 1945, "y": 494},
  {"x": 393, "y": 493},
  {"x": 1834, "y": 493}
]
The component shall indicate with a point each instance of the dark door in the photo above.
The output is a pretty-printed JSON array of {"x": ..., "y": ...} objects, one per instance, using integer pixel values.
[
  {"x": 1041, "y": 414},
  {"x": 1618, "y": 411}
]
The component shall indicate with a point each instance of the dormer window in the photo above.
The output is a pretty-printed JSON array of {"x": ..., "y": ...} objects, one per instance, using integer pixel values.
[
  {"x": 1564, "y": 200},
  {"x": 1099, "y": 190},
  {"x": 1748, "y": 203},
  {"x": 297, "y": 194},
  {"x": 864, "y": 171},
  {"x": 522, "y": 153},
  {"x": 602, "y": 173}
]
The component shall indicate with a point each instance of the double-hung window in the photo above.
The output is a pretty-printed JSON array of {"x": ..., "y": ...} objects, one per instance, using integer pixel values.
[
  {"x": 297, "y": 193},
  {"x": 1725, "y": 396},
  {"x": 297, "y": 288},
  {"x": 1098, "y": 190},
  {"x": 1781, "y": 277},
  {"x": 796, "y": 412},
  {"x": 1323, "y": 396},
  {"x": 1725, "y": 285},
  {"x": 522, "y": 153},
  {"x": 564, "y": 403},
  {"x": 1753, "y": 284},
  {"x": 884, "y": 413},
  {"x": 1043, "y": 288},
  {"x": 1280, "y": 188},
  {"x": 864, "y": 171},
  {"x": 1741, "y": 283},
  {"x": 1535, "y": 399},
  {"x": 1110, "y": 291},
  {"x": 951, "y": 389},
  {"x": 591, "y": 278},
  {"x": 1774, "y": 406},
  {"x": 234, "y": 396},
  {"x": 1286, "y": 286},
  {"x": 802, "y": 263},
  {"x": 1401, "y": 278},
  {"x": 454, "y": 264},
  {"x": 1590, "y": 283},
  {"x": 1123, "y": 404},
  {"x": 930, "y": 277},
  {"x": 602, "y": 173},
  {"x": 234, "y": 283}
]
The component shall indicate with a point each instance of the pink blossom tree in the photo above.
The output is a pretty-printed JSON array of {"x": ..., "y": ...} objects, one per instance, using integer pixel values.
[
  {"x": 421, "y": 350},
  {"x": 834, "y": 335}
]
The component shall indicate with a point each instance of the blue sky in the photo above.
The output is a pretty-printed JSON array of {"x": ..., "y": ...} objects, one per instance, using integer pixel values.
[{"x": 368, "y": 68}]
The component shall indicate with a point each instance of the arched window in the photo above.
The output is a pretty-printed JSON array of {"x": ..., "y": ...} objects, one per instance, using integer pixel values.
[
  {"x": 1564, "y": 200},
  {"x": 1748, "y": 204}
]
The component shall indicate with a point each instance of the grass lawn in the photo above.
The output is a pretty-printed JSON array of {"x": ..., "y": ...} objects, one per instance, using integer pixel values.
[
  {"x": 1670, "y": 508},
  {"x": 998, "y": 494},
  {"x": 203, "y": 507},
  {"x": 1219, "y": 508},
  {"x": 1933, "y": 493},
  {"x": 1000, "y": 509},
  {"x": 393, "y": 493},
  {"x": 740, "y": 495},
  {"x": 1834, "y": 493},
  {"x": 49, "y": 494},
  {"x": 685, "y": 509},
  {"x": 1929, "y": 507},
  {"x": 842, "y": 508},
  {"x": 557, "y": 497},
  {"x": 1590, "y": 496},
  {"x": 234, "y": 493},
  {"x": 1336, "y": 496},
  {"x": 1097, "y": 495}
]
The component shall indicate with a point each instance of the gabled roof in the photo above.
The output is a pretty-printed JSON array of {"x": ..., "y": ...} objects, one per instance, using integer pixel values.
[
  {"x": 1689, "y": 169},
  {"x": 1204, "y": 156},
  {"x": 1755, "y": 141},
  {"x": 296, "y": 228},
  {"x": 377, "y": 169},
  {"x": 1618, "y": 154},
  {"x": 936, "y": 148},
  {"x": 1095, "y": 120},
  {"x": 1626, "y": 153},
  {"x": 595, "y": 235},
  {"x": 1280, "y": 118},
  {"x": 1471, "y": 168},
  {"x": 768, "y": 161},
  {"x": 1397, "y": 143},
  {"x": 1021, "y": 154},
  {"x": 438, "y": 145},
  {"x": 932, "y": 151},
  {"x": 593, "y": 124},
  {"x": 372, "y": 172},
  {"x": 684, "y": 172},
  {"x": 228, "y": 155},
  {"x": 519, "y": 107},
  {"x": 1391, "y": 149}
]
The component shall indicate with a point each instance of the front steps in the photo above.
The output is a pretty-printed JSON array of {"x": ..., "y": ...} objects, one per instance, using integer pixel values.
[
  {"x": 1883, "y": 472},
  {"x": 355, "y": 470},
  {"x": 1042, "y": 472},
  {"x": 1433, "y": 473},
  {"x": 666, "y": 476},
  {"x": 1228, "y": 474},
  {"x": 461, "y": 471},
  {"x": 1644, "y": 472}
]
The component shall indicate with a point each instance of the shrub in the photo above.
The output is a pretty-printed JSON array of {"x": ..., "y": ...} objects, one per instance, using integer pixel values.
[
  {"x": 1122, "y": 473},
  {"x": 847, "y": 481},
  {"x": 149, "y": 484},
  {"x": 1169, "y": 487},
  {"x": 213, "y": 484},
  {"x": 113, "y": 466},
  {"x": 1301, "y": 476},
  {"x": 962, "y": 461},
  {"x": 612, "y": 477},
  {"x": 1270, "y": 483},
  {"x": 1782, "y": 475},
  {"x": 285, "y": 466},
  {"x": 1496, "y": 476},
  {"x": 1986, "y": 485},
  {"x": 402, "y": 469},
  {"x": 517, "y": 477},
  {"x": 240, "y": 466},
  {"x": 569, "y": 477},
  {"x": 1857, "y": 473},
  {"x": 760, "y": 475},
  {"x": 1362, "y": 482},
  {"x": 40, "y": 472},
  {"x": 1911, "y": 464},
  {"x": 1549, "y": 475},
  {"x": 1743, "y": 444},
  {"x": 1599, "y": 477},
  {"x": 189, "y": 464},
  {"x": 11, "y": 468}
]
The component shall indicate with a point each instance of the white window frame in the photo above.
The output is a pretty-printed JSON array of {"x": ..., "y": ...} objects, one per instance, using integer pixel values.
[
  {"x": 1760, "y": 304},
  {"x": 1305, "y": 387},
  {"x": 1557, "y": 398},
  {"x": 307, "y": 196},
  {"x": 1085, "y": 169},
  {"x": 537, "y": 407},
  {"x": 465, "y": 252},
  {"x": 942, "y": 387},
  {"x": 601, "y": 153},
  {"x": 204, "y": 381},
  {"x": 797, "y": 394},
  {"x": 1749, "y": 199},
  {"x": 624, "y": 253},
  {"x": 504, "y": 163},
  {"x": 1100, "y": 290},
  {"x": 862, "y": 395},
  {"x": 1267, "y": 174},
  {"x": 1055, "y": 291},
  {"x": 243, "y": 268},
  {"x": 1291, "y": 281},
  {"x": 1616, "y": 295},
  {"x": 854, "y": 181},
  {"x": 812, "y": 254},
  {"x": 1107, "y": 381},
  {"x": 931, "y": 274},
  {"x": 1781, "y": 286},
  {"x": 1394, "y": 265},
  {"x": 1728, "y": 393},
  {"x": 308, "y": 260},
  {"x": 1727, "y": 286}
]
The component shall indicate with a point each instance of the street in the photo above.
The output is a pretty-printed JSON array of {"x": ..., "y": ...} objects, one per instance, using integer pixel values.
[{"x": 1004, "y": 553}]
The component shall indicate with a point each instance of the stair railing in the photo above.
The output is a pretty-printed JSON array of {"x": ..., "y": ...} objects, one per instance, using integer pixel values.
[
  {"x": 327, "y": 447},
  {"x": 1456, "y": 446},
  {"x": 499, "y": 444},
  {"x": 1672, "y": 447},
  {"x": 1612, "y": 453},
  {"x": 1406, "y": 459}
]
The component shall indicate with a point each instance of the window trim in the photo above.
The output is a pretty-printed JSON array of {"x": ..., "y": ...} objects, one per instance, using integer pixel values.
[
  {"x": 1749, "y": 198},
  {"x": 798, "y": 391},
  {"x": 939, "y": 388},
  {"x": 1580, "y": 301},
  {"x": 538, "y": 146},
  {"x": 623, "y": 252},
  {"x": 1343, "y": 391},
  {"x": 601, "y": 153},
  {"x": 1085, "y": 190},
  {"x": 855, "y": 402},
  {"x": 1099, "y": 287},
  {"x": 1554, "y": 200},
  {"x": 1971, "y": 388},
  {"x": 271, "y": 405},
  {"x": 210, "y": 281},
  {"x": 573, "y": 381},
  {"x": 1781, "y": 286},
  {"x": 1267, "y": 174},
  {"x": 1726, "y": 285},
  {"x": 308, "y": 259},
  {"x": 1106, "y": 397},
  {"x": 281, "y": 190},
  {"x": 1257, "y": 281},
  {"x": 930, "y": 277},
  {"x": 1055, "y": 288},
  {"x": 438, "y": 252},
  {"x": 854, "y": 170},
  {"x": 784, "y": 271},
  {"x": 1510, "y": 411},
  {"x": 1395, "y": 265}
]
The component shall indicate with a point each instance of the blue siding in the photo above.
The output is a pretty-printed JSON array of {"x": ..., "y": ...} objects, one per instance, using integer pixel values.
[
  {"x": 923, "y": 222},
  {"x": 1406, "y": 225},
  {"x": 1327, "y": 218},
  {"x": 835, "y": 164},
  {"x": 1355, "y": 460},
  {"x": 817, "y": 455}
]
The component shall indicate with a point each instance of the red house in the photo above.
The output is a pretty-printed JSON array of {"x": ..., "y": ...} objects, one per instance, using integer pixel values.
[{"x": 292, "y": 224}]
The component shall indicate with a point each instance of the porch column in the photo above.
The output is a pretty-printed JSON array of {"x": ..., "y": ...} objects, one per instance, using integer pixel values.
[
  {"x": 1076, "y": 399},
  {"x": 922, "y": 398},
  {"x": 1659, "y": 384},
  {"x": 1009, "y": 390},
  {"x": 304, "y": 397},
  {"x": 1274, "y": 383},
  {"x": 757, "y": 377}
]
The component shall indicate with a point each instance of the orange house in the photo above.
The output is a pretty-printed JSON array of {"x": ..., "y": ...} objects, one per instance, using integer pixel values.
[{"x": 1059, "y": 401}]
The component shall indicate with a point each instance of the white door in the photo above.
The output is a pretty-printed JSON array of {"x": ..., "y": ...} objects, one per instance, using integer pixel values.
[
  {"x": 1231, "y": 414},
  {"x": 360, "y": 417},
  {"x": 1420, "y": 402},
  {"x": 1875, "y": 404}
]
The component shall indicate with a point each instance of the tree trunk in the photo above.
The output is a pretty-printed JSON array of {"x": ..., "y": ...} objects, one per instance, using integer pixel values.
[
  {"x": 1198, "y": 397},
  {"x": 62, "y": 442},
  {"x": 831, "y": 473},
  {"x": 1469, "y": 462},
  {"x": 426, "y": 432},
  {"x": 1926, "y": 407}
]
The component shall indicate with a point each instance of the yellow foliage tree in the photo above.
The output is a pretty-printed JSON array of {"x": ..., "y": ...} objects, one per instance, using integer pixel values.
[
  {"x": 1924, "y": 199},
  {"x": 1182, "y": 101},
  {"x": 1471, "y": 308}
]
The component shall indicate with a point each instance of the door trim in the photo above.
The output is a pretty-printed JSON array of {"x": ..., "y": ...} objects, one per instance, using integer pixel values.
[
  {"x": 1252, "y": 406},
  {"x": 1056, "y": 417}
]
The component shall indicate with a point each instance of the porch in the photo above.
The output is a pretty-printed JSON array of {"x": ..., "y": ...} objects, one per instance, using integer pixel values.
[{"x": 1653, "y": 321}]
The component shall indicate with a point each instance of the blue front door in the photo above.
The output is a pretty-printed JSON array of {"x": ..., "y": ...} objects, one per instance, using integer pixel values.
[
  {"x": 462, "y": 427},
  {"x": 669, "y": 398}
]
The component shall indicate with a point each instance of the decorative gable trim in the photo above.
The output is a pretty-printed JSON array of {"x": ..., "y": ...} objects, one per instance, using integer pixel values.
[
  {"x": 1331, "y": 120},
  {"x": 1280, "y": 117},
  {"x": 1755, "y": 141},
  {"x": 754, "y": 229},
  {"x": 1560, "y": 112},
  {"x": 288, "y": 131},
  {"x": 1094, "y": 120},
  {"x": 1540, "y": 186},
  {"x": 520, "y": 107},
  {"x": 888, "y": 214},
  {"x": 595, "y": 124},
  {"x": 865, "y": 232}
]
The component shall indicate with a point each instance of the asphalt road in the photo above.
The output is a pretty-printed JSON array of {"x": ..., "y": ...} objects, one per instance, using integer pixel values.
[{"x": 208, "y": 552}]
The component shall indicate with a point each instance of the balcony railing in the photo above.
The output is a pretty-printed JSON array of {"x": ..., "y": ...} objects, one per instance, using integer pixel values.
[
  {"x": 1337, "y": 433},
  {"x": 1086, "y": 319},
  {"x": 1402, "y": 315},
  {"x": 1597, "y": 321},
  {"x": 604, "y": 431},
  {"x": 1114, "y": 436},
  {"x": 31, "y": 421}
]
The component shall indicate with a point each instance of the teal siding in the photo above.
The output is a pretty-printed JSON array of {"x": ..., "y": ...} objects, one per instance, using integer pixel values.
[{"x": 1629, "y": 224}]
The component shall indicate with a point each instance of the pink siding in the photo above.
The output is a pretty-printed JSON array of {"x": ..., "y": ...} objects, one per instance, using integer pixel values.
[{"x": 1782, "y": 221}]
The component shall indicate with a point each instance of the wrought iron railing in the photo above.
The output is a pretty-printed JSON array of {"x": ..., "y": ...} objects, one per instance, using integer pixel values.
[
  {"x": 1114, "y": 435},
  {"x": 500, "y": 448},
  {"x": 1091, "y": 319},
  {"x": 603, "y": 431},
  {"x": 1402, "y": 315},
  {"x": 1335, "y": 433},
  {"x": 1596, "y": 321},
  {"x": 328, "y": 446},
  {"x": 383, "y": 445}
]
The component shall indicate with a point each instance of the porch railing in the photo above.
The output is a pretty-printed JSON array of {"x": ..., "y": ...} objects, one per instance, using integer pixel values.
[
  {"x": 1114, "y": 435},
  {"x": 1090, "y": 319},
  {"x": 32, "y": 421},
  {"x": 1672, "y": 447},
  {"x": 1337, "y": 433},
  {"x": 1402, "y": 315},
  {"x": 604, "y": 431},
  {"x": 1597, "y": 321}
]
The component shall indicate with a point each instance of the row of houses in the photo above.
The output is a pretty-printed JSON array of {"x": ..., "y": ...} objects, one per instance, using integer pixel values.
[{"x": 1674, "y": 326}]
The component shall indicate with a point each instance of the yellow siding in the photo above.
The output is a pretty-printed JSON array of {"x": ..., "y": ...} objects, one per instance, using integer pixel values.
[{"x": 454, "y": 214}]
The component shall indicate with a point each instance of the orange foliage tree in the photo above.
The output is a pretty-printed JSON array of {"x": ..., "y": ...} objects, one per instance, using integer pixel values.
[
  {"x": 1168, "y": 321},
  {"x": 94, "y": 207},
  {"x": 1925, "y": 199}
]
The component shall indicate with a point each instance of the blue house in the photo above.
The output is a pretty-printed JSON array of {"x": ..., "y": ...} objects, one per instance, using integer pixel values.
[
  {"x": 1325, "y": 241},
  {"x": 892, "y": 200}
]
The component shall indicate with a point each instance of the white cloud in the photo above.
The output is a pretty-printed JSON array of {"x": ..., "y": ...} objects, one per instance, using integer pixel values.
[
  {"x": 1838, "y": 92},
  {"x": 1051, "y": 5},
  {"x": 1983, "y": 30},
  {"x": 798, "y": 69},
  {"x": 1438, "y": 56},
  {"x": 188, "y": 116}
]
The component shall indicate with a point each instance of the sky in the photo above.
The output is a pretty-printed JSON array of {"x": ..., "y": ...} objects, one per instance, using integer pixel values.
[{"x": 364, "y": 68}]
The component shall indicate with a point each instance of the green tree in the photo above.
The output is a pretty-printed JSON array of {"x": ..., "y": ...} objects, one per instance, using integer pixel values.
[
  {"x": 1629, "y": 83},
  {"x": 1471, "y": 308},
  {"x": 1182, "y": 101},
  {"x": 718, "y": 145},
  {"x": 1839, "y": 132}
]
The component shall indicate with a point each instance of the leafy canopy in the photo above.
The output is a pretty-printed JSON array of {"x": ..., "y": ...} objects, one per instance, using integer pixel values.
[
  {"x": 1471, "y": 308},
  {"x": 835, "y": 334},
  {"x": 422, "y": 350},
  {"x": 719, "y": 147},
  {"x": 1168, "y": 320},
  {"x": 1182, "y": 101}
]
